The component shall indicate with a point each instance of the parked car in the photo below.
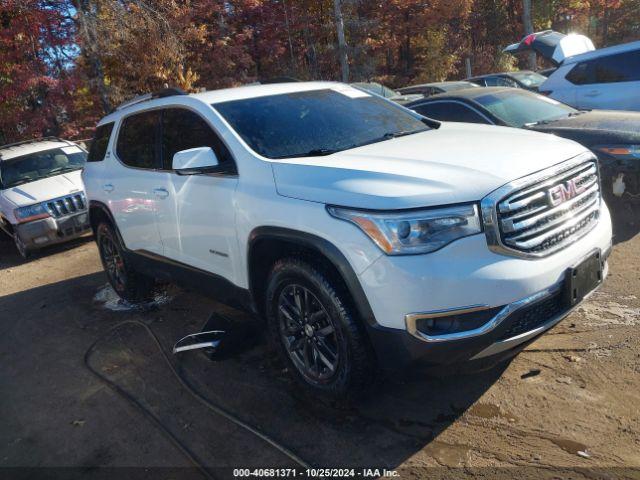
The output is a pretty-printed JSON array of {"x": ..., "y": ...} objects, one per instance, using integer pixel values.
[
  {"x": 613, "y": 135},
  {"x": 606, "y": 78},
  {"x": 42, "y": 199},
  {"x": 522, "y": 79},
  {"x": 386, "y": 92},
  {"x": 367, "y": 236},
  {"x": 428, "y": 89}
]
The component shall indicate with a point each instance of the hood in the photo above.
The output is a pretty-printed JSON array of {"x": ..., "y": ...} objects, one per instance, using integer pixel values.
[
  {"x": 554, "y": 46},
  {"x": 44, "y": 189},
  {"x": 455, "y": 163},
  {"x": 597, "y": 127}
]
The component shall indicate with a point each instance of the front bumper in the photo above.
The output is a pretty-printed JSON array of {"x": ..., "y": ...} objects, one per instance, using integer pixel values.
[
  {"x": 464, "y": 275},
  {"x": 49, "y": 231}
]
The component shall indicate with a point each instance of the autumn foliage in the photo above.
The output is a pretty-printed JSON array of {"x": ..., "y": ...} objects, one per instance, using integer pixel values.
[{"x": 64, "y": 63}]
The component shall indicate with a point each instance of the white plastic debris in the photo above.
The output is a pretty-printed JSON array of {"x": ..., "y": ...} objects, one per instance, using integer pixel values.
[{"x": 619, "y": 185}]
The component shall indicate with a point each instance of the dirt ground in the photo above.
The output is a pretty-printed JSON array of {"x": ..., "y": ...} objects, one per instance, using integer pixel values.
[{"x": 567, "y": 407}]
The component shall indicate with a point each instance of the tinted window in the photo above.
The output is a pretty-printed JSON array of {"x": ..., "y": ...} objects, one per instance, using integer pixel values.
[
  {"x": 38, "y": 165},
  {"x": 450, "y": 112},
  {"x": 317, "y": 122},
  {"x": 520, "y": 107},
  {"x": 580, "y": 74},
  {"x": 137, "y": 140},
  {"x": 500, "y": 82},
  {"x": 623, "y": 67},
  {"x": 183, "y": 129},
  {"x": 99, "y": 143}
]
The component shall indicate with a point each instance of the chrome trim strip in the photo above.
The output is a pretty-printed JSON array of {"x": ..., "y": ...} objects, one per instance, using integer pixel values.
[
  {"x": 509, "y": 343},
  {"x": 509, "y": 225},
  {"x": 489, "y": 205},
  {"x": 411, "y": 319},
  {"x": 56, "y": 206}
]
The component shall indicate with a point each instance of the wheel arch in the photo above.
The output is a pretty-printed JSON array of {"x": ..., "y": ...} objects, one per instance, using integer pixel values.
[
  {"x": 268, "y": 244},
  {"x": 98, "y": 212},
  {"x": 6, "y": 225}
]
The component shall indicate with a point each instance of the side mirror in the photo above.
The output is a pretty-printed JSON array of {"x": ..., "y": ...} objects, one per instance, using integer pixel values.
[{"x": 194, "y": 161}]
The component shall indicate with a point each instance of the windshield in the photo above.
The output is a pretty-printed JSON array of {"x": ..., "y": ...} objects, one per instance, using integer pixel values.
[
  {"x": 518, "y": 108},
  {"x": 38, "y": 165},
  {"x": 317, "y": 122},
  {"x": 529, "y": 79}
]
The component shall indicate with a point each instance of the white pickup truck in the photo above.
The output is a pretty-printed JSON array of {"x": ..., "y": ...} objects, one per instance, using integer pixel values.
[{"x": 42, "y": 199}]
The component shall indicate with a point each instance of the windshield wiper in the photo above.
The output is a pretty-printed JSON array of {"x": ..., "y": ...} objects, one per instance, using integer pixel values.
[
  {"x": 316, "y": 152},
  {"x": 320, "y": 152},
  {"x": 58, "y": 171},
  {"x": 401, "y": 133},
  {"x": 22, "y": 181}
]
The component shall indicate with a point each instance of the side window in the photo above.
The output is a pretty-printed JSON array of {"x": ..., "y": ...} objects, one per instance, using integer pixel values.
[
  {"x": 500, "y": 82},
  {"x": 99, "y": 143},
  {"x": 450, "y": 112},
  {"x": 183, "y": 129},
  {"x": 623, "y": 67},
  {"x": 137, "y": 140},
  {"x": 580, "y": 74}
]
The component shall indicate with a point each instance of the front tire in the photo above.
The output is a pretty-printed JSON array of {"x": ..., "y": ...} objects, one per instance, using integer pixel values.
[
  {"x": 316, "y": 333},
  {"x": 129, "y": 284}
]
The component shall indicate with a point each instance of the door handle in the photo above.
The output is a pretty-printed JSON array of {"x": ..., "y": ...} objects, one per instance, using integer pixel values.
[
  {"x": 592, "y": 93},
  {"x": 108, "y": 187},
  {"x": 160, "y": 192}
]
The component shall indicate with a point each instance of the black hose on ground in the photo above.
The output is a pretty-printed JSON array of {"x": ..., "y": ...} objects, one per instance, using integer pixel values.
[{"x": 158, "y": 423}]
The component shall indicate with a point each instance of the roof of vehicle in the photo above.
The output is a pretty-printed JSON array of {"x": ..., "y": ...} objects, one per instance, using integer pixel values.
[
  {"x": 624, "y": 47},
  {"x": 467, "y": 93},
  {"x": 443, "y": 84},
  {"x": 226, "y": 95},
  {"x": 499, "y": 73},
  {"x": 26, "y": 147}
]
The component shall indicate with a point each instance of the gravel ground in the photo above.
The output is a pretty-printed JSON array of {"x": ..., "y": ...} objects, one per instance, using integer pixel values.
[{"x": 568, "y": 405}]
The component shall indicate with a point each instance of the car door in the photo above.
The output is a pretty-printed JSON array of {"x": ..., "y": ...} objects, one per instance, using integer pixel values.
[
  {"x": 197, "y": 216},
  {"x": 130, "y": 188},
  {"x": 608, "y": 82}
]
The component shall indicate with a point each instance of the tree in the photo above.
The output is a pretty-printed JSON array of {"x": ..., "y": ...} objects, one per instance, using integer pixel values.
[
  {"x": 528, "y": 30},
  {"x": 342, "y": 44}
]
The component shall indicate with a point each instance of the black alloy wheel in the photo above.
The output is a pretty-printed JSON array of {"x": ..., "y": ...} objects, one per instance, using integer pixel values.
[{"x": 308, "y": 334}]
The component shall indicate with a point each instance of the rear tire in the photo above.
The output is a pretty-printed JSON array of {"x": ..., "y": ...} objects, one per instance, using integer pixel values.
[
  {"x": 315, "y": 331},
  {"x": 129, "y": 284}
]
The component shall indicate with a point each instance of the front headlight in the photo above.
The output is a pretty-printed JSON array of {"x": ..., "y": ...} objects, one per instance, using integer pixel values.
[
  {"x": 30, "y": 213},
  {"x": 622, "y": 152},
  {"x": 416, "y": 231}
]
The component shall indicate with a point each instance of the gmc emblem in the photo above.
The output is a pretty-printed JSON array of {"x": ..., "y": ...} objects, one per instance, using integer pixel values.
[{"x": 565, "y": 191}]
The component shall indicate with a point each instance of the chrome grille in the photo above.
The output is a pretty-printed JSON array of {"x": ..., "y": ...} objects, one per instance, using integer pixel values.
[
  {"x": 67, "y": 205},
  {"x": 546, "y": 212}
]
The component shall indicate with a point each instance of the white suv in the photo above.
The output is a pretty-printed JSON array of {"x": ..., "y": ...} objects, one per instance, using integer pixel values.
[
  {"x": 42, "y": 200},
  {"x": 366, "y": 235},
  {"x": 586, "y": 78}
]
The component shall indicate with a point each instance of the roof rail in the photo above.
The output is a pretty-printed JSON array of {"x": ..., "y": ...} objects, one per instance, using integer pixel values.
[
  {"x": 165, "y": 92},
  {"x": 33, "y": 140}
]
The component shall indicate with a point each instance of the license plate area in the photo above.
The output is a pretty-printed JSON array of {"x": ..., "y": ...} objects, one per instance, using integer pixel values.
[{"x": 584, "y": 277}]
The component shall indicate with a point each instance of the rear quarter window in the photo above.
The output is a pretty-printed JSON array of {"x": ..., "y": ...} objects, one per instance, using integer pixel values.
[
  {"x": 137, "y": 145},
  {"x": 100, "y": 142}
]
